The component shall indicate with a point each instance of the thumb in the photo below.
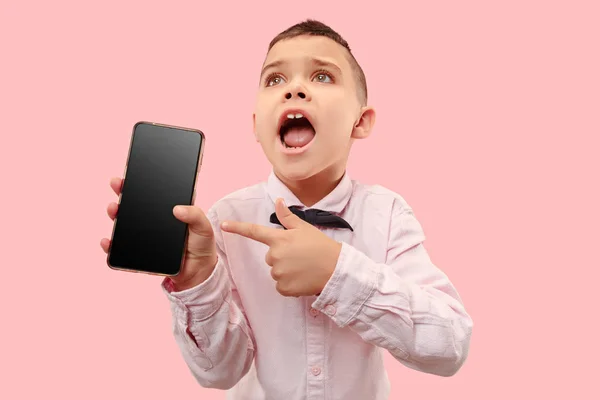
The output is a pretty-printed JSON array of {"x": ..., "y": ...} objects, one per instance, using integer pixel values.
[
  {"x": 197, "y": 221},
  {"x": 287, "y": 218}
]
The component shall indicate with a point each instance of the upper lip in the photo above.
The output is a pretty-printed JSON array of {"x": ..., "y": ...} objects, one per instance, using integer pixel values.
[{"x": 284, "y": 114}]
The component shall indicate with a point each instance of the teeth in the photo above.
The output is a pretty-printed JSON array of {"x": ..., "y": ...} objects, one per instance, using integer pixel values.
[{"x": 292, "y": 116}]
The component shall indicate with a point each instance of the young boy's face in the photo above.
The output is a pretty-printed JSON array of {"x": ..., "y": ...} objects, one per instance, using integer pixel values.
[{"x": 311, "y": 77}]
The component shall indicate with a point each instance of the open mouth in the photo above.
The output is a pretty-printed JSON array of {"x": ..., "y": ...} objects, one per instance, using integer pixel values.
[{"x": 296, "y": 131}]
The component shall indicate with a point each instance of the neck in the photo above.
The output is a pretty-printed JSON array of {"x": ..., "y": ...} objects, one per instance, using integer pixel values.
[{"x": 311, "y": 190}]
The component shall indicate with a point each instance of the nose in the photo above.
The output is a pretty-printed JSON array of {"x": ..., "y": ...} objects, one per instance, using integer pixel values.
[
  {"x": 300, "y": 94},
  {"x": 297, "y": 91}
]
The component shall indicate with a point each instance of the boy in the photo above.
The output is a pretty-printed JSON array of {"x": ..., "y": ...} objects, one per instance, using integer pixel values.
[{"x": 280, "y": 301}]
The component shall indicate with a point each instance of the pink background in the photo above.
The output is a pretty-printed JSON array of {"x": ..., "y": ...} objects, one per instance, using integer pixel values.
[{"x": 488, "y": 124}]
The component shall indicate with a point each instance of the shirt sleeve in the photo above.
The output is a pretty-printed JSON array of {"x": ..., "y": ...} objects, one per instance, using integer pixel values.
[
  {"x": 210, "y": 326},
  {"x": 406, "y": 305}
]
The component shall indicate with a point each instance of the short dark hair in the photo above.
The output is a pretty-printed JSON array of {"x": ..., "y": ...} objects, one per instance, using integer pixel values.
[{"x": 312, "y": 27}]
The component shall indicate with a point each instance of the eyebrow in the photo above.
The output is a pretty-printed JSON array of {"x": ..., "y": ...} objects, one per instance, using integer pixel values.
[{"x": 315, "y": 61}]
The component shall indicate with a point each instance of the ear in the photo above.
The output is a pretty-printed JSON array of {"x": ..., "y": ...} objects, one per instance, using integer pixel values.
[
  {"x": 254, "y": 126},
  {"x": 363, "y": 127}
]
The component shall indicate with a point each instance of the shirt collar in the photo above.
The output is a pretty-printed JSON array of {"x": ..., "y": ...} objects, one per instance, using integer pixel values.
[{"x": 334, "y": 202}]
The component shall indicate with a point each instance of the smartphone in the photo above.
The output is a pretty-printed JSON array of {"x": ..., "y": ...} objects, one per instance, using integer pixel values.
[{"x": 161, "y": 172}]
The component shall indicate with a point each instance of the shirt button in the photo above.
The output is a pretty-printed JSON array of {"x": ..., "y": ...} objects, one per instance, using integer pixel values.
[
  {"x": 330, "y": 310},
  {"x": 314, "y": 312},
  {"x": 316, "y": 371}
]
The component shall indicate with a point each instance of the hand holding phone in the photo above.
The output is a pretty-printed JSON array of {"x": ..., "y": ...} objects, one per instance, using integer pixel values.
[
  {"x": 157, "y": 230},
  {"x": 201, "y": 254}
]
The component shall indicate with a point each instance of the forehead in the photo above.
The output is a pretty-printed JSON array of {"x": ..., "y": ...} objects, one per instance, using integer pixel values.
[{"x": 302, "y": 49}]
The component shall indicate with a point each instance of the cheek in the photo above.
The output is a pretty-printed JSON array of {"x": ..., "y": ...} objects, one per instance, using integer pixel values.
[
  {"x": 339, "y": 116},
  {"x": 339, "y": 126},
  {"x": 260, "y": 127},
  {"x": 265, "y": 138}
]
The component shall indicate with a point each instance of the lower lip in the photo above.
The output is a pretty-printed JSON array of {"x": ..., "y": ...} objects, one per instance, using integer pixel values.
[{"x": 294, "y": 150}]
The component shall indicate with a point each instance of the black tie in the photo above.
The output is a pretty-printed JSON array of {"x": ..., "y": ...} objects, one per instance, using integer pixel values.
[{"x": 317, "y": 217}]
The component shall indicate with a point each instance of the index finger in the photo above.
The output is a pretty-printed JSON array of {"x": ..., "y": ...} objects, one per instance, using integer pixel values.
[{"x": 256, "y": 232}]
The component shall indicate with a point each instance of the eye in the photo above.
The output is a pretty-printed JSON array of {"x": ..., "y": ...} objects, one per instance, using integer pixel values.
[
  {"x": 323, "y": 77},
  {"x": 273, "y": 79}
]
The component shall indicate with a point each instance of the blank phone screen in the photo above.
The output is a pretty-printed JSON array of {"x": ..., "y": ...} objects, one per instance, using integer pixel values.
[{"x": 160, "y": 174}]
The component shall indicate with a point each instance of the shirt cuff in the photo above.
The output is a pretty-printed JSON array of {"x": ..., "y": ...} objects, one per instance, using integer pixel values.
[
  {"x": 349, "y": 287},
  {"x": 201, "y": 301}
]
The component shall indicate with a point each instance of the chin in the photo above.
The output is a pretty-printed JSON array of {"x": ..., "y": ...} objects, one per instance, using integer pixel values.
[
  {"x": 298, "y": 167},
  {"x": 297, "y": 171}
]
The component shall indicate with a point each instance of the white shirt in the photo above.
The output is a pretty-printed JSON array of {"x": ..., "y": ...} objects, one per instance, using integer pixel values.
[{"x": 235, "y": 331}]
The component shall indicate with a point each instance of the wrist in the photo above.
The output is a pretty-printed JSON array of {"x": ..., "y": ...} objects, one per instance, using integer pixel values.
[
  {"x": 201, "y": 275},
  {"x": 330, "y": 264}
]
